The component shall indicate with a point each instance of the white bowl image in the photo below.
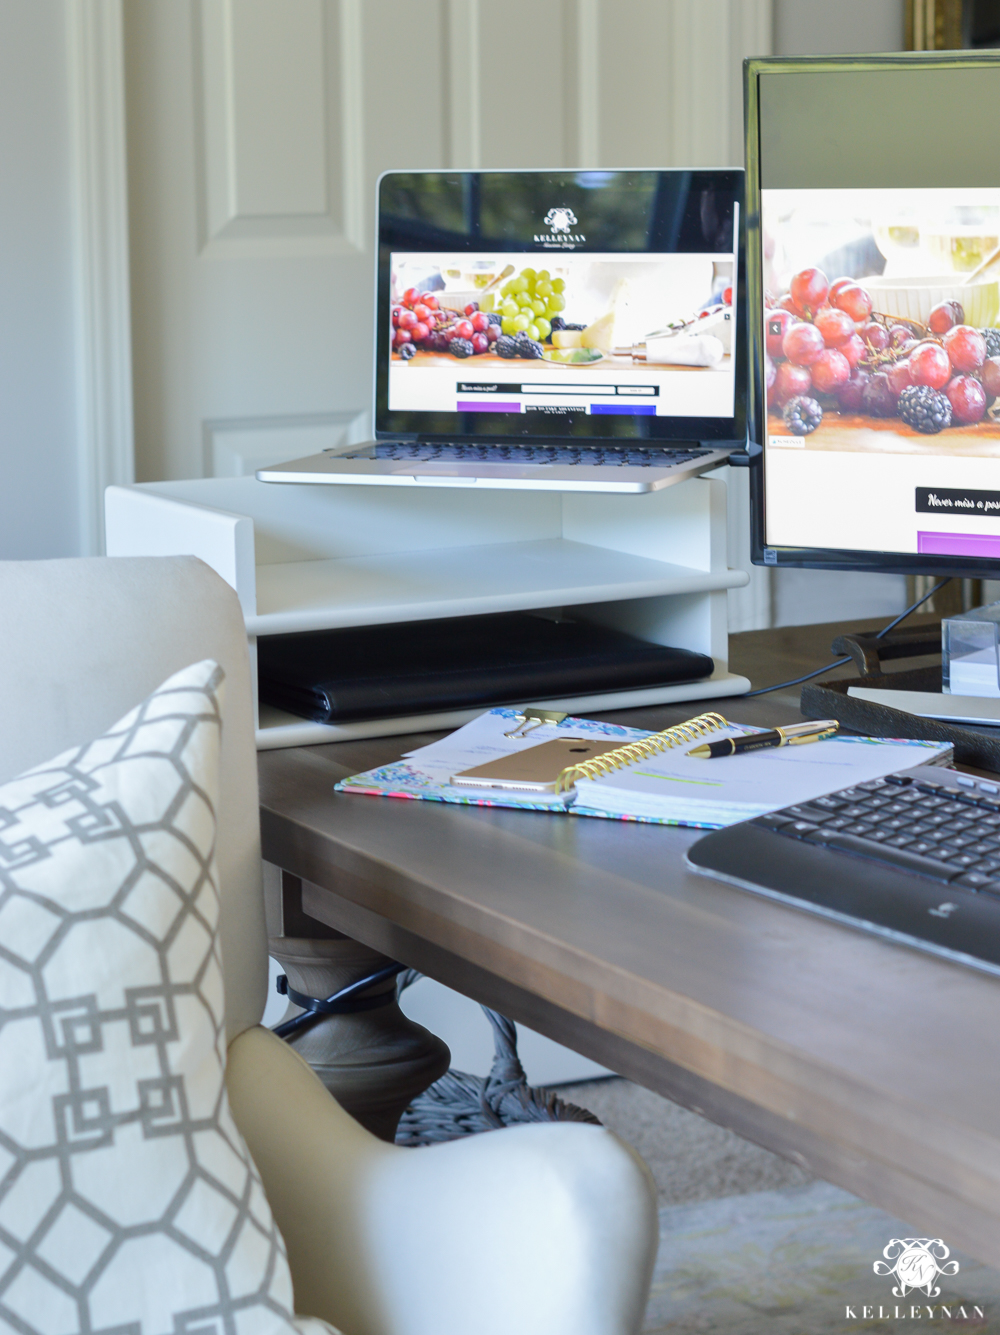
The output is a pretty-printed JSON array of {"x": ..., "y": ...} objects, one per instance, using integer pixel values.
[{"x": 915, "y": 298}]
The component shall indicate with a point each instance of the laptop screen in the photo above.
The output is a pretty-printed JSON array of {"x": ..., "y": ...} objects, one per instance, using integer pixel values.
[{"x": 544, "y": 305}]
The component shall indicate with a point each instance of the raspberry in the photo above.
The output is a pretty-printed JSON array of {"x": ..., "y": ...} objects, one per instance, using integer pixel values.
[
  {"x": 802, "y": 415},
  {"x": 926, "y": 410}
]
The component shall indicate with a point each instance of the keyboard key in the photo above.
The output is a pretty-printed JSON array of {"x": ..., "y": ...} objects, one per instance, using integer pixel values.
[
  {"x": 828, "y": 803},
  {"x": 858, "y": 827},
  {"x": 900, "y": 779},
  {"x": 900, "y": 840},
  {"x": 774, "y": 820},
  {"x": 902, "y": 858},
  {"x": 972, "y": 880},
  {"x": 798, "y": 829}
]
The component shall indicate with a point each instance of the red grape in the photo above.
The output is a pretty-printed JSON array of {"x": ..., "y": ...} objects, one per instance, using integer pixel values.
[
  {"x": 769, "y": 372},
  {"x": 966, "y": 347},
  {"x": 830, "y": 370},
  {"x": 877, "y": 398},
  {"x": 838, "y": 286},
  {"x": 808, "y": 288},
  {"x": 480, "y": 322},
  {"x": 790, "y": 381},
  {"x": 967, "y": 398},
  {"x": 776, "y": 326},
  {"x": 851, "y": 392},
  {"x": 854, "y": 349},
  {"x": 464, "y": 329},
  {"x": 788, "y": 303},
  {"x": 944, "y": 316},
  {"x": 402, "y": 336},
  {"x": 419, "y": 332},
  {"x": 990, "y": 376},
  {"x": 472, "y": 307},
  {"x": 802, "y": 344},
  {"x": 836, "y": 326},
  {"x": 875, "y": 335},
  {"x": 727, "y": 297},
  {"x": 929, "y": 365},
  {"x": 429, "y": 300},
  {"x": 410, "y": 297},
  {"x": 854, "y": 300},
  {"x": 899, "y": 375},
  {"x": 900, "y": 334},
  {"x": 421, "y": 312},
  {"x": 492, "y": 332},
  {"x": 406, "y": 320},
  {"x": 480, "y": 342},
  {"x": 396, "y": 312}
]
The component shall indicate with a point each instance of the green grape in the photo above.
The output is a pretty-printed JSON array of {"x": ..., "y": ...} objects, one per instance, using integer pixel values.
[
  {"x": 519, "y": 284},
  {"x": 544, "y": 289},
  {"x": 558, "y": 285},
  {"x": 486, "y": 303},
  {"x": 507, "y": 325},
  {"x": 534, "y": 333},
  {"x": 543, "y": 275},
  {"x": 505, "y": 290},
  {"x": 510, "y": 308},
  {"x": 524, "y": 299},
  {"x": 555, "y": 305},
  {"x": 528, "y": 273},
  {"x": 538, "y": 306},
  {"x": 520, "y": 322},
  {"x": 544, "y": 329}
]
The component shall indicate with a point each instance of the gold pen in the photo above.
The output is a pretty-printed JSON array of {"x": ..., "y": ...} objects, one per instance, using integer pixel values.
[{"x": 796, "y": 734}]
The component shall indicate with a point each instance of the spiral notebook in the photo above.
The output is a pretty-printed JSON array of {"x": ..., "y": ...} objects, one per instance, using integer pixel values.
[{"x": 649, "y": 776}]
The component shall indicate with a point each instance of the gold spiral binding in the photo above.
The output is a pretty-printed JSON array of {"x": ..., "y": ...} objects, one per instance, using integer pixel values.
[{"x": 632, "y": 751}]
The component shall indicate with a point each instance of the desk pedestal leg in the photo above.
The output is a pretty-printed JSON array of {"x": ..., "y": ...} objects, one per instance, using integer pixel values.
[{"x": 373, "y": 1062}]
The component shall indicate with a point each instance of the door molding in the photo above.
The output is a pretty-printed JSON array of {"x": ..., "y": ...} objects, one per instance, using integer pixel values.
[{"x": 105, "y": 443}]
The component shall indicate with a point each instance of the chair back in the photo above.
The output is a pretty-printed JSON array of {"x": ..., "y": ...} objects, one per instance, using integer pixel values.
[{"x": 88, "y": 638}]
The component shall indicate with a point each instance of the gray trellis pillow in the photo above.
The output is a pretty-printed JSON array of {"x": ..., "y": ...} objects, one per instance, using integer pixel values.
[{"x": 129, "y": 1203}]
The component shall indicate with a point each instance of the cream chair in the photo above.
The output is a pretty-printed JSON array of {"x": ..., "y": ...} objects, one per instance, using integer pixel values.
[{"x": 548, "y": 1228}]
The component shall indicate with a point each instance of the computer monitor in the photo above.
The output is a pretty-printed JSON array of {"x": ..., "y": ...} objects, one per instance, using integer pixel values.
[
  {"x": 532, "y": 305},
  {"x": 873, "y": 264}
]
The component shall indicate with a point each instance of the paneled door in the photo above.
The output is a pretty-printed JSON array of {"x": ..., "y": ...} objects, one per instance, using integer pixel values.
[{"x": 257, "y": 130}]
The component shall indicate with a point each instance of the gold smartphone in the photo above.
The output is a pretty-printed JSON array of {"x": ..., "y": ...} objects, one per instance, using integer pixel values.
[{"x": 536, "y": 768}]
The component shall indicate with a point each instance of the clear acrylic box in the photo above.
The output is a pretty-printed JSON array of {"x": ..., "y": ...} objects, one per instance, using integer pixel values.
[{"x": 970, "y": 652}]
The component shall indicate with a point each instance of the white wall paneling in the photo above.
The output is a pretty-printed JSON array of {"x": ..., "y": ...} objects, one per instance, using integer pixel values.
[
  {"x": 100, "y": 233},
  {"x": 237, "y": 448}
]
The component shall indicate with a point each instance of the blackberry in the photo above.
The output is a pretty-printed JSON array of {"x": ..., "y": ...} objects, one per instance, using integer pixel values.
[
  {"x": 574, "y": 326},
  {"x": 505, "y": 347},
  {"x": 407, "y": 351},
  {"x": 992, "y": 337},
  {"x": 802, "y": 415},
  {"x": 925, "y": 409},
  {"x": 493, "y": 318},
  {"x": 558, "y": 322},
  {"x": 461, "y": 347},
  {"x": 522, "y": 336},
  {"x": 530, "y": 350}
]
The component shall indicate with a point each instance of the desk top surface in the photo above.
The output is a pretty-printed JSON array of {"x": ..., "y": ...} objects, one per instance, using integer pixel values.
[{"x": 885, "y": 1055}]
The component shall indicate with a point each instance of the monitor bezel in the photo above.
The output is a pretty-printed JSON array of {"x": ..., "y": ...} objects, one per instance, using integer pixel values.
[
  {"x": 495, "y": 427},
  {"x": 816, "y": 558}
]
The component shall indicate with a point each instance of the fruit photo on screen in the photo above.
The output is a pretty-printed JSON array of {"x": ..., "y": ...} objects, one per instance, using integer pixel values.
[{"x": 880, "y": 320}]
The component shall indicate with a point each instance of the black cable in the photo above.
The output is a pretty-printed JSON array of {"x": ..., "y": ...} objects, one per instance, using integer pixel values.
[
  {"x": 346, "y": 1001},
  {"x": 839, "y": 662}
]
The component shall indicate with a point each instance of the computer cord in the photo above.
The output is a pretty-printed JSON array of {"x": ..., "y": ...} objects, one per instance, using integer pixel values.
[{"x": 839, "y": 662}]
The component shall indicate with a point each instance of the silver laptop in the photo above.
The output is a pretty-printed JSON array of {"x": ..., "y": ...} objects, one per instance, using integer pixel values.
[{"x": 573, "y": 331}]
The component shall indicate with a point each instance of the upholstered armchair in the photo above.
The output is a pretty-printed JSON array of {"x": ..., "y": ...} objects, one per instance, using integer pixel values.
[{"x": 546, "y": 1228}]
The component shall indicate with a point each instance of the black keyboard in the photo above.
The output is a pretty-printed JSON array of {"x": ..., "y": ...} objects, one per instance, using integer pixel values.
[
  {"x": 604, "y": 456},
  {"x": 914, "y": 856}
]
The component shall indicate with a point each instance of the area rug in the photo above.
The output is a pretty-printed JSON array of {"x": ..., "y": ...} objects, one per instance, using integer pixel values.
[{"x": 799, "y": 1261}]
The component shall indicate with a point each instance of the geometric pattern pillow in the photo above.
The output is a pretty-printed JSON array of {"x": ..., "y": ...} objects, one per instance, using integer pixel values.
[{"x": 129, "y": 1204}]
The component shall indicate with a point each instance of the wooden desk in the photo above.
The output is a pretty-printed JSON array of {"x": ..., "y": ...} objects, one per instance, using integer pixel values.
[{"x": 873, "y": 1065}]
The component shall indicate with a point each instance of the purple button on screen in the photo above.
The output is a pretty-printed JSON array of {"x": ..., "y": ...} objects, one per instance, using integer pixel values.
[
  {"x": 487, "y": 406},
  {"x": 959, "y": 544},
  {"x": 632, "y": 409}
]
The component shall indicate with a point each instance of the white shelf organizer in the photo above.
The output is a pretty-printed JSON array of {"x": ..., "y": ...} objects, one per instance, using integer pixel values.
[{"x": 317, "y": 557}]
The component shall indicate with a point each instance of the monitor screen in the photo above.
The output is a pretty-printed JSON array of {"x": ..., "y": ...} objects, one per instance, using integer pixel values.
[
  {"x": 577, "y": 304},
  {"x": 874, "y": 277}
]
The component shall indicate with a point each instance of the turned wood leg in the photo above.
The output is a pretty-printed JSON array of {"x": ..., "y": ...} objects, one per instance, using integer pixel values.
[{"x": 374, "y": 1062}]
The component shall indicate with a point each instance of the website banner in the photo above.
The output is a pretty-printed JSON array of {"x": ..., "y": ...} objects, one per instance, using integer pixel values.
[
  {"x": 883, "y": 369},
  {"x": 592, "y": 334}
]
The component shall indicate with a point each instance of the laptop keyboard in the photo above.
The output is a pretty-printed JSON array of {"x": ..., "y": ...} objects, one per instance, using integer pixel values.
[{"x": 563, "y": 455}]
